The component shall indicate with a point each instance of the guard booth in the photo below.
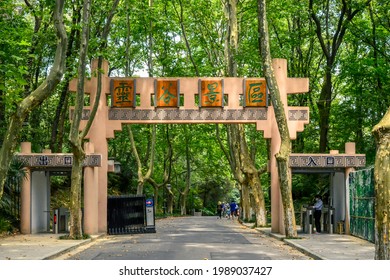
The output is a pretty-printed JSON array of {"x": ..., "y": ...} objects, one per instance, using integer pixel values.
[
  {"x": 130, "y": 214},
  {"x": 336, "y": 210}
]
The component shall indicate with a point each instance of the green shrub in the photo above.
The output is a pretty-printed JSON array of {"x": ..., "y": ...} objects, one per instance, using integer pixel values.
[
  {"x": 5, "y": 225},
  {"x": 208, "y": 212}
]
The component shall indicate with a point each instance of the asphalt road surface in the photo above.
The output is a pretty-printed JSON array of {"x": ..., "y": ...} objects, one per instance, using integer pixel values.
[{"x": 189, "y": 238}]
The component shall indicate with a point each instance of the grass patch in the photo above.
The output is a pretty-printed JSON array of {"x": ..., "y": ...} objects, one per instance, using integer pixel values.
[
  {"x": 5, "y": 225},
  {"x": 293, "y": 237},
  {"x": 67, "y": 237}
]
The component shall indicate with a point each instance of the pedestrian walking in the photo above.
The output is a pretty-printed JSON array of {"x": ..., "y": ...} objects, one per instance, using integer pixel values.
[
  {"x": 219, "y": 210},
  {"x": 317, "y": 213},
  {"x": 224, "y": 208},
  {"x": 233, "y": 209},
  {"x": 227, "y": 211}
]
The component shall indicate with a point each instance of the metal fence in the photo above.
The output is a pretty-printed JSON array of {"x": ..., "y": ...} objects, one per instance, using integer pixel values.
[
  {"x": 126, "y": 214},
  {"x": 362, "y": 204},
  {"x": 10, "y": 202}
]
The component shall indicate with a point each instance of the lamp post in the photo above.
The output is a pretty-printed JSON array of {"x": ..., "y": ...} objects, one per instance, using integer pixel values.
[{"x": 117, "y": 167}]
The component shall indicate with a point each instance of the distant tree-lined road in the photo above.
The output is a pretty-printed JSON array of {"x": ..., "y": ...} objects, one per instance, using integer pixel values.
[{"x": 190, "y": 238}]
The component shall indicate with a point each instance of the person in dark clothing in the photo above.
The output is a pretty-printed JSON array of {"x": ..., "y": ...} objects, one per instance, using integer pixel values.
[
  {"x": 219, "y": 210},
  {"x": 233, "y": 209},
  {"x": 317, "y": 213}
]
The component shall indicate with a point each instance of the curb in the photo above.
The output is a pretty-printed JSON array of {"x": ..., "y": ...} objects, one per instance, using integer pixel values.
[
  {"x": 67, "y": 250},
  {"x": 304, "y": 250},
  {"x": 292, "y": 244}
]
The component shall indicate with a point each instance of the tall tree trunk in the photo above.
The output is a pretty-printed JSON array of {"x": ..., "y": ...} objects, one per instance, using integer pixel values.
[
  {"x": 253, "y": 179},
  {"x": 324, "y": 105},
  {"x": 33, "y": 63},
  {"x": 2, "y": 109},
  {"x": 383, "y": 100},
  {"x": 330, "y": 46},
  {"x": 184, "y": 193},
  {"x": 246, "y": 202},
  {"x": 282, "y": 157},
  {"x": 36, "y": 97},
  {"x": 151, "y": 150},
  {"x": 167, "y": 172},
  {"x": 382, "y": 188},
  {"x": 57, "y": 129},
  {"x": 240, "y": 149},
  {"x": 183, "y": 31},
  {"x": 76, "y": 137},
  {"x": 150, "y": 41},
  {"x": 232, "y": 155}
]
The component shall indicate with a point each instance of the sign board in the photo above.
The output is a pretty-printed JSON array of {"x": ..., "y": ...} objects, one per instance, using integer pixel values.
[
  {"x": 255, "y": 92},
  {"x": 123, "y": 93},
  {"x": 211, "y": 93},
  {"x": 149, "y": 203},
  {"x": 167, "y": 93}
]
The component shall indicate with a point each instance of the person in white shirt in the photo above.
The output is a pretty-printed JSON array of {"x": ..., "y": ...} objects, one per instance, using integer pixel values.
[{"x": 317, "y": 213}]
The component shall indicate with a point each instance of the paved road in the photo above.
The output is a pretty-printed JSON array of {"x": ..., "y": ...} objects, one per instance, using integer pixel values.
[{"x": 190, "y": 238}]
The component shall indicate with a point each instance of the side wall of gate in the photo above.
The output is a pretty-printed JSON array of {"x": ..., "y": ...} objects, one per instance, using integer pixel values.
[{"x": 362, "y": 204}]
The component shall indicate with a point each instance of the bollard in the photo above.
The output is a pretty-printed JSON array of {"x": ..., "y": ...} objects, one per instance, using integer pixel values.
[
  {"x": 55, "y": 222},
  {"x": 330, "y": 220},
  {"x": 340, "y": 227},
  {"x": 310, "y": 224}
]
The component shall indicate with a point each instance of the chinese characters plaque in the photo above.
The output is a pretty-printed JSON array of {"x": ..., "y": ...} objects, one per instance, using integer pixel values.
[
  {"x": 255, "y": 91},
  {"x": 123, "y": 93},
  {"x": 167, "y": 93},
  {"x": 211, "y": 93}
]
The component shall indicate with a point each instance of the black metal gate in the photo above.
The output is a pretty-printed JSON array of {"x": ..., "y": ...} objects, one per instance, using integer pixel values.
[{"x": 126, "y": 214}]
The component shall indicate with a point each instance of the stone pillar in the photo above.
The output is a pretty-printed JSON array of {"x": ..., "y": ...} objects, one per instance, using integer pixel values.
[
  {"x": 25, "y": 196},
  {"x": 97, "y": 136},
  {"x": 277, "y": 217},
  {"x": 91, "y": 185},
  {"x": 350, "y": 149},
  {"x": 332, "y": 183}
]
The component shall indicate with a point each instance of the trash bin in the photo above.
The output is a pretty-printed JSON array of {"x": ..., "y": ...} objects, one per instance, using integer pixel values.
[{"x": 340, "y": 227}]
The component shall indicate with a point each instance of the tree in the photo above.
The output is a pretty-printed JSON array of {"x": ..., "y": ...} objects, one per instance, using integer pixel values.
[
  {"x": 382, "y": 188},
  {"x": 76, "y": 138},
  {"x": 282, "y": 157},
  {"x": 330, "y": 45},
  {"x": 61, "y": 112},
  {"x": 142, "y": 178},
  {"x": 14, "y": 37},
  {"x": 188, "y": 176},
  {"x": 36, "y": 97},
  {"x": 241, "y": 162}
]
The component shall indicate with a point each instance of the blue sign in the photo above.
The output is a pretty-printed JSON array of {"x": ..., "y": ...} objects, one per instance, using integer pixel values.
[{"x": 149, "y": 202}]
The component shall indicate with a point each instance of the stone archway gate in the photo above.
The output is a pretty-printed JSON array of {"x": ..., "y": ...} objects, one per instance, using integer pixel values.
[
  {"x": 180, "y": 100},
  {"x": 183, "y": 100}
]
